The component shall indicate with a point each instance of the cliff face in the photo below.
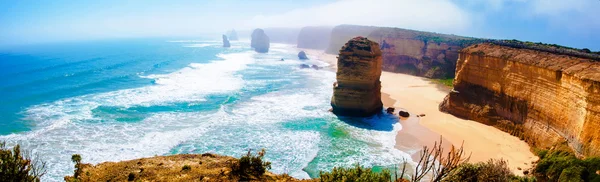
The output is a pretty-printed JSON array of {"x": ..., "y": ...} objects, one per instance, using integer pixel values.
[
  {"x": 357, "y": 91},
  {"x": 226, "y": 41},
  {"x": 315, "y": 38},
  {"x": 342, "y": 33},
  {"x": 412, "y": 52},
  {"x": 259, "y": 41},
  {"x": 282, "y": 35},
  {"x": 541, "y": 97}
]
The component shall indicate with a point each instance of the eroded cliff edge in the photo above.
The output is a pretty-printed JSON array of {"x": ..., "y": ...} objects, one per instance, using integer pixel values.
[
  {"x": 357, "y": 91},
  {"x": 541, "y": 97},
  {"x": 419, "y": 53}
]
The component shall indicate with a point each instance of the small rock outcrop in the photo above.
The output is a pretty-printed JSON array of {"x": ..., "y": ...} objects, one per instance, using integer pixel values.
[
  {"x": 403, "y": 114},
  {"x": 357, "y": 91},
  {"x": 260, "y": 41},
  {"x": 226, "y": 41},
  {"x": 304, "y": 66},
  {"x": 232, "y": 35},
  {"x": 302, "y": 55}
]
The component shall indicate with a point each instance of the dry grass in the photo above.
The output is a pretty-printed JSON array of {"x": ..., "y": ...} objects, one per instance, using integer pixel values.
[{"x": 205, "y": 167}]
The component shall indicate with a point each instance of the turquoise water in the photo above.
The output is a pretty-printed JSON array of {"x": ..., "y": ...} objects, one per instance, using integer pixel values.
[{"x": 119, "y": 100}]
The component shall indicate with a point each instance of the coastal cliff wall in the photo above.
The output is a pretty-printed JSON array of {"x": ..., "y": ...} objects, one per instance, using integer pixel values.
[
  {"x": 283, "y": 35},
  {"x": 406, "y": 51},
  {"x": 540, "y": 96},
  {"x": 314, "y": 37},
  {"x": 357, "y": 91}
]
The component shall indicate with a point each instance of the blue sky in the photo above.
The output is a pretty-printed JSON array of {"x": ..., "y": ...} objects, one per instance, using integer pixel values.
[{"x": 572, "y": 23}]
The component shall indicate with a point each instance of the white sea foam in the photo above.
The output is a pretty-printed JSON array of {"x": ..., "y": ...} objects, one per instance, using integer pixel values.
[
  {"x": 69, "y": 126},
  {"x": 199, "y": 45}
]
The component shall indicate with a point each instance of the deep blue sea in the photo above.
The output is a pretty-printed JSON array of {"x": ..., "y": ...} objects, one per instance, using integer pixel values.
[{"x": 125, "y": 99}]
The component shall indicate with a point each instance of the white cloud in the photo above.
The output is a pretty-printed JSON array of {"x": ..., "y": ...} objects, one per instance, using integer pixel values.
[
  {"x": 578, "y": 16},
  {"x": 430, "y": 15}
]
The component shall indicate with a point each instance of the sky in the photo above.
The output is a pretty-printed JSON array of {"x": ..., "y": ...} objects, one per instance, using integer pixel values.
[{"x": 574, "y": 23}]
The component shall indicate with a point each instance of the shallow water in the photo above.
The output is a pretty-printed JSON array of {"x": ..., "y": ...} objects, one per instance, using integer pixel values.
[{"x": 119, "y": 100}]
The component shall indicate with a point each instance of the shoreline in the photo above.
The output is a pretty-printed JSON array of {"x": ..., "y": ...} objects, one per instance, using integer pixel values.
[{"x": 418, "y": 95}]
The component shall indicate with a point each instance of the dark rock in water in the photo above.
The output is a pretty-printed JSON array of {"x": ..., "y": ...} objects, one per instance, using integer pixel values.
[
  {"x": 315, "y": 67},
  {"x": 232, "y": 35},
  {"x": 390, "y": 110},
  {"x": 404, "y": 114},
  {"x": 282, "y": 59},
  {"x": 226, "y": 41},
  {"x": 260, "y": 41},
  {"x": 304, "y": 66},
  {"x": 302, "y": 55},
  {"x": 358, "y": 89}
]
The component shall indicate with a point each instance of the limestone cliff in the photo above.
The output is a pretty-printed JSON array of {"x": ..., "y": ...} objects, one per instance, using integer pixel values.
[
  {"x": 357, "y": 91},
  {"x": 226, "y": 41},
  {"x": 259, "y": 41},
  {"x": 282, "y": 35},
  {"x": 315, "y": 37},
  {"x": 543, "y": 97},
  {"x": 412, "y": 52}
]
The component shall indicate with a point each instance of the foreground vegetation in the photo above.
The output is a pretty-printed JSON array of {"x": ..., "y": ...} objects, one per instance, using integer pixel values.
[
  {"x": 558, "y": 163},
  {"x": 16, "y": 165}
]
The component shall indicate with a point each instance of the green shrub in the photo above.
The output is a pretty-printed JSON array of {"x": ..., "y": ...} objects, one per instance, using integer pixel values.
[
  {"x": 250, "y": 166},
  {"x": 448, "y": 81},
  {"x": 357, "y": 173},
  {"x": 572, "y": 174},
  {"x": 492, "y": 170},
  {"x": 560, "y": 164},
  {"x": 186, "y": 167},
  {"x": 18, "y": 166},
  {"x": 466, "y": 172},
  {"x": 76, "y": 158}
]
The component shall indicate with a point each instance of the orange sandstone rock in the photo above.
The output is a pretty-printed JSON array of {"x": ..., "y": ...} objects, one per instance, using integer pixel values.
[
  {"x": 539, "y": 96},
  {"x": 357, "y": 91}
]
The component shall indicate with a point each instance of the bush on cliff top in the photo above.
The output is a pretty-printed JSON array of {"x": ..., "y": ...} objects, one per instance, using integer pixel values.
[
  {"x": 18, "y": 166},
  {"x": 358, "y": 173},
  {"x": 560, "y": 164},
  {"x": 492, "y": 170},
  {"x": 250, "y": 166}
]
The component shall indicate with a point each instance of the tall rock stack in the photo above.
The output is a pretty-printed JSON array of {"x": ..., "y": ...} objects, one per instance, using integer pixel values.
[
  {"x": 226, "y": 41},
  {"x": 357, "y": 91},
  {"x": 260, "y": 41},
  {"x": 232, "y": 35}
]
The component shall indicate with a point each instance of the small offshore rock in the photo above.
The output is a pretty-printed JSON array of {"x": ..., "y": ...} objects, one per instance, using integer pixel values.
[
  {"x": 302, "y": 55},
  {"x": 304, "y": 66},
  {"x": 390, "y": 110}
]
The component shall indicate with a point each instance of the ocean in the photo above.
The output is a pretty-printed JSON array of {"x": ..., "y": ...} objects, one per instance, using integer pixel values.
[{"x": 125, "y": 99}]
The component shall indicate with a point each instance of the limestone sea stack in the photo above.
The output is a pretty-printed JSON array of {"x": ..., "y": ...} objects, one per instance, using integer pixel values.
[
  {"x": 357, "y": 91},
  {"x": 232, "y": 35},
  {"x": 226, "y": 41},
  {"x": 260, "y": 41},
  {"x": 302, "y": 55}
]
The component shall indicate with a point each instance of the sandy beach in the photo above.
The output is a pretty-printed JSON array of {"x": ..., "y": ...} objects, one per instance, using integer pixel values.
[{"x": 418, "y": 95}]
